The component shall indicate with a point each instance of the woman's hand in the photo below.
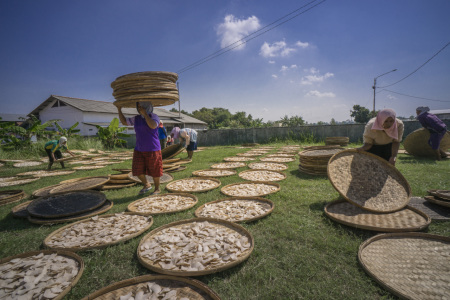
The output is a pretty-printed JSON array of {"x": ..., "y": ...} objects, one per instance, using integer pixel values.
[
  {"x": 142, "y": 110},
  {"x": 392, "y": 160}
]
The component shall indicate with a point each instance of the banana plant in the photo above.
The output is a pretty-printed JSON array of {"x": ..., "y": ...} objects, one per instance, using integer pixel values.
[
  {"x": 111, "y": 135},
  {"x": 67, "y": 132}
]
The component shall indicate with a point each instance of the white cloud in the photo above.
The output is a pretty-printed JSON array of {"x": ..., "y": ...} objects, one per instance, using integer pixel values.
[
  {"x": 320, "y": 95},
  {"x": 274, "y": 76},
  {"x": 233, "y": 30},
  {"x": 276, "y": 49},
  {"x": 271, "y": 61},
  {"x": 284, "y": 69},
  {"x": 302, "y": 45},
  {"x": 293, "y": 66},
  {"x": 311, "y": 79},
  {"x": 390, "y": 97}
]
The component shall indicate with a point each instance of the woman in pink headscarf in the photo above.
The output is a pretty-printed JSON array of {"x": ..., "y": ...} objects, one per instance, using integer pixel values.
[{"x": 383, "y": 134}]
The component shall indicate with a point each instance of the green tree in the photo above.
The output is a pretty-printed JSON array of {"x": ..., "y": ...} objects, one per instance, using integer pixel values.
[
  {"x": 111, "y": 135},
  {"x": 67, "y": 132},
  {"x": 361, "y": 114},
  {"x": 292, "y": 121},
  {"x": 333, "y": 121}
]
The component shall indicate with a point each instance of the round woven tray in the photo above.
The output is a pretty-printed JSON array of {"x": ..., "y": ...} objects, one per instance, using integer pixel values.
[
  {"x": 189, "y": 185},
  {"x": 214, "y": 172},
  {"x": 20, "y": 211},
  {"x": 246, "y": 189},
  {"x": 229, "y": 225},
  {"x": 407, "y": 219},
  {"x": 277, "y": 159},
  {"x": 44, "y": 173},
  {"x": 443, "y": 194},
  {"x": 236, "y": 208},
  {"x": 18, "y": 182},
  {"x": 120, "y": 176},
  {"x": 437, "y": 201},
  {"x": 416, "y": 143},
  {"x": 262, "y": 175},
  {"x": 59, "y": 234},
  {"x": 123, "y": 171},
  {"x": 88, "y": 167},
  {"x": 66, "y": 204},
  {"x": 99, "y": 210},
  {"x": 410, "y": 265},
  {"x": 171, "y": 151},
  {"x": 170, "y": 160},
  {"x": 163, "y": 204},
  {"x": 81, "y": 184},
  {"x": 368, "y": 181},
  {"x": 67, "y": 254},
  {"x": 109, "y": 186},
  {"x": 11, "y": 196},
  {"x": 239, "y": 158},
  {"x": 163, "y": 179},
  {"x": 178, "y": 169},
  {"x": 268, "y": 166},
  {"x": 27, "y": 164},
  {"x": 187, "y": 288},
  {"x": 228, "y": 165}
]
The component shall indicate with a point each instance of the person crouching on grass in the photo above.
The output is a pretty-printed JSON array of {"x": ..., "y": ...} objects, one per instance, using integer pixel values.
[
  {"x": 189, "y": 137},
  {"x": 53, "y": 151},
  {"x": 147, "y": 158}
]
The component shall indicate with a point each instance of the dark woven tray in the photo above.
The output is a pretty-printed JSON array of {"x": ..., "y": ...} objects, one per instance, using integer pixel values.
[
  {"x": 20, "y": 211},
  {"x": 171, "y": 151},
  {"x": 66, "y": 204},
  {"x": 81, "y": 184},
  {"x": 10, "y": 196}
]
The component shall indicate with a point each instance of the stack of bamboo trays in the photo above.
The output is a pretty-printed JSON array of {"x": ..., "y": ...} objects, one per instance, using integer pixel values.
[
  {"x": 156, "y": 87},
  {"x": 315, "y": 161},
  {"x": 337, "y": 140}
]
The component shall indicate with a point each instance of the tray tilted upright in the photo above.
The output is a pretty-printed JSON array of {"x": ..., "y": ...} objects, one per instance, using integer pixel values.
[{"x": 368, "y": 181}]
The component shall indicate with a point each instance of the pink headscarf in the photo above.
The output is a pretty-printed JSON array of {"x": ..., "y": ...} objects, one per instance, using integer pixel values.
[
  {"x": 381, "y": 117},
  {"x": 176, "y": 132}
]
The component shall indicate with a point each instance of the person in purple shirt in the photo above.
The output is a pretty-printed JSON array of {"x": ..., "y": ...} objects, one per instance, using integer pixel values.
[
  {"x": 147, "y": 158},
  {"x": 435, "y": 126}
]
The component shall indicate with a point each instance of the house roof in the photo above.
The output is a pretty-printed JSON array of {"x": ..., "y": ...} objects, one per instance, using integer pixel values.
[
  {"x": 86, "y": 105},
  {"x": 441, "y": 111}
]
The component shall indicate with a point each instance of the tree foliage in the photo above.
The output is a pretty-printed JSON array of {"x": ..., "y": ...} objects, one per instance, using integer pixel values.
[
  {"x": 111, "y": 135},
  {"x": 72, "y": 131},
  {"x": 361, "y": 114},
  {"x": 292, "y": 121}
]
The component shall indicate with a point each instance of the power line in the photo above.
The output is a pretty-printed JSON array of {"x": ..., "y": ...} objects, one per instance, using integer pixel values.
[
  {"x": 415, "y": 96},
  {"x": 247, "y": 39},
  {"x": 417, "y": 68}
]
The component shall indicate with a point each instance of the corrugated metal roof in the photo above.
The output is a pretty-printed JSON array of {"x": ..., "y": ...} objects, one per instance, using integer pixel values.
[{"x": 86, "y": 105}]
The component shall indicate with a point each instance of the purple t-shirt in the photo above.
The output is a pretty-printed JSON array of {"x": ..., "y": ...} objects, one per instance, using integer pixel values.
[
  {"x": 432, "y": 123},
  {"x": 146, "y": 138}
]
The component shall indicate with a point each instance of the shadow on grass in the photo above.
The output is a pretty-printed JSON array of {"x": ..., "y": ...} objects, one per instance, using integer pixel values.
[
  {"x": 302, "y": 175},
  {"x": 412, "y": 159}
]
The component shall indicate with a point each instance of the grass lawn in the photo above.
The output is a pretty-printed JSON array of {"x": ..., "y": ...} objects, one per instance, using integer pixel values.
[{"x": 299, "y": 253}]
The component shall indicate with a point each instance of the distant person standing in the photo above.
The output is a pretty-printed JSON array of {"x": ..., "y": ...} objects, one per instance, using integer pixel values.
[
  {"x": 383, "y": 134},
  {"x": 175, "y": 134},
  {"x": 53, "y": 149},
  {"x": 435, "y": 126},
  {"x": 162, "y": 134},
  {"x": 147, "y": 158}
]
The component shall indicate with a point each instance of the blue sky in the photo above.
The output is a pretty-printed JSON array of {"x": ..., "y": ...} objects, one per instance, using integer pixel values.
[{"x": 317, "y": 65}]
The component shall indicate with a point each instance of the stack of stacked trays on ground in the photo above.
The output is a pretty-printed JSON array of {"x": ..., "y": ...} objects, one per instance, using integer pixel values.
[
  {"x": 236, "y": 209},
  {"x": 98, "y": 231},
  {"x": 439, "y": 197},
  {"x": 337, "y": 140},
  {"x": 195, "y": 247},
  {"x": 163, "y": 203},
  {"x": 315, "y": 161}
]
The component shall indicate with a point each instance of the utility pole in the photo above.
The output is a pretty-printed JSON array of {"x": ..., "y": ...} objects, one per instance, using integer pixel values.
[{"x": 375, "y": 86}]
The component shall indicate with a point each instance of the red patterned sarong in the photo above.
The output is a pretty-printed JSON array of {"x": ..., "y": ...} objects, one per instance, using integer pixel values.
[{"x": 148, "y": 163}]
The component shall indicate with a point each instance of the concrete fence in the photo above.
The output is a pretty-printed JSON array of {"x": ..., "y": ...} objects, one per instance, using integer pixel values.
[{"x": 223, "y": 137}]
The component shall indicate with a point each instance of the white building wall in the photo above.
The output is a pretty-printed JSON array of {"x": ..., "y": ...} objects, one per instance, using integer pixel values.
[{"x": 67, "y": 114}]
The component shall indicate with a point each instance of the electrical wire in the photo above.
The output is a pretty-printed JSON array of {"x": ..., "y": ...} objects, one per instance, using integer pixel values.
[
  {"x": 247, "y": 39},
  {"x": 415, "y": 96},
  {"x": 417, "y": 68}
]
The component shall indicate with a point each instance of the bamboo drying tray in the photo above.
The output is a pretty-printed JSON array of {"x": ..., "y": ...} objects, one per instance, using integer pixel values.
[
  {"x": 20, "y": 211},
  {"x": 88, "y": 167},
  {"x": 233, "y": 227},
  {"x": 268, "y": 166},
  {"x": 109, "y": 186},
  {"x": 337, "y": 140},
  {"x": 27, "y": 164},
  {"x": 80, "y": 184},
  {"x": 67, "y": 254},
  {"x": 166, "y": 177},
  {"x": 416, "y": 143},
  {"x": 437, "y": 201},
  {"x": 170, "y": 160},
  {"x": 189, "y": 185},
  {"x": 187, "y": 288},
  {"x": 99, "y": 210},
  {"x": 66, "y": 204},
  {"x": 277, "y": 159},
  {"x": 239, "y": 158},
  {"x": 443, "y": 194},
  {"x": 368, "y": 181},
  {"x": 168, "y": 203},
  {"x": 262, "y": 175},
  {"x": 407, "y": 219},
  {"x": 18, "y": 182},
  {"x": 228, "y": 165},
  {"x": 214, "y": 172},
  {"x": 123, "y": 171},
  {"x": 232, "y": 215},
  {"x": 58, "y": 234},
  {"x": 410, "y": 265},
  {"x": 171, "y": 151},
  {"x": 45, "y": 173},
  {"x": 11, "y": 196},
  {"x": 178, "y": 169},
  {"x": 231, "y": 189},
  {"x": 118, "y": 176}
]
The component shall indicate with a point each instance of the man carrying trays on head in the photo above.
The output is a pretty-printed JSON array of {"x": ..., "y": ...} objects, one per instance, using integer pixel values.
[
  {"x": 53, "y": 151},
  {"x": 147, "y": 158}
]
